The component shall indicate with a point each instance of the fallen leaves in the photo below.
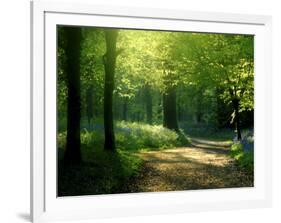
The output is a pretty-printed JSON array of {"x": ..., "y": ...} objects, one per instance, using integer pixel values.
[{"x": 202, "y": 166}]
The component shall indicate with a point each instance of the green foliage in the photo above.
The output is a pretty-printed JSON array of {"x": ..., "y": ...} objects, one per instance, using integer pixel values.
[
  {"x": 207, "y": 73},
  {"x": 132, "y": 136},
  {"x": 207, "y": 69},
  {"x": 244, "y": 159}
]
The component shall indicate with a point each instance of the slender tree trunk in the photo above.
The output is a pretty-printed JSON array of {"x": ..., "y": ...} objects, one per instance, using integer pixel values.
[
  {"x": 125, "y": 109},
  {"x": 72, "y": 51},
  {"x": 159, "y": 108},
  {"x": 179, "y": 112},
  {"x": 221, "y": 116},
  {"x": 236, "y": 103},
  {"x": 138, "y": 116},
  {"x": 148, "y": 104},
  {"x": 109, "y": 65},
  {"x": 90, "y": 105},
  {"x": 199, "y": 112},
  {"x": 198, "y": 117},
  {"x": 223, "y": 110},
  {"x": 170, "y": 109}
]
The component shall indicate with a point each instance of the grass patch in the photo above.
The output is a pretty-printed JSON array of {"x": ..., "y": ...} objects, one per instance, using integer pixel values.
[
  {"x": 245, "y": 159},
  {"x": 102, "y": 172}
]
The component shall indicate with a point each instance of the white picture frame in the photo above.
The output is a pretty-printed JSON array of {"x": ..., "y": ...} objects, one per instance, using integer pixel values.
[{"x": 44, "y": 203}]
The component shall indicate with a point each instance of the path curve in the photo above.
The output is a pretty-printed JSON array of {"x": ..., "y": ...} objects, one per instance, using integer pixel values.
[{"x": 203, "y": 165}]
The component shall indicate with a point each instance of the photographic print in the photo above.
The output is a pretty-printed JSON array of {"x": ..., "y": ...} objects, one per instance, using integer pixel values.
[{"x": 153, "y": 111}]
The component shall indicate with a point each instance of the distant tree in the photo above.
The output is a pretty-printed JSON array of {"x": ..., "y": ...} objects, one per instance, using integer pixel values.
[
  {"x": 148, "y": 103},
  {"x": 90, "y": 105},
  {"x": 170, "y": 79},
  {"x": 236, "y": 64},
  {"x": 170, "y": 116},
  {"x": 92, "y": 72},
  {"x": 170, "y": 120},
  {"x": 222, "y": 64}
]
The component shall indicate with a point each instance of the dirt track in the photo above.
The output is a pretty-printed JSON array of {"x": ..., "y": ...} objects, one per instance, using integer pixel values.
[{"x": 205, "y": 164}]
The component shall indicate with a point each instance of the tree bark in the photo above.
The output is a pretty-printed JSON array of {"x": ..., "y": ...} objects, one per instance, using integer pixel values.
[
  {"x": 72, "y": 51},
  {"x": 109, "y": 65},
  {"x": 223, "y": 111},
  {"x": 199, "y": 113},
  {"x": 148, "y": 104},
  {"x": 179, "y": 109},
  {"x": 90, "y": 105},
  {"x": 236, "y": 103},
  {"x": 159, "y": 107},
  {"x": 170, "y": 109},
  {"x": 125, "y": 109}
]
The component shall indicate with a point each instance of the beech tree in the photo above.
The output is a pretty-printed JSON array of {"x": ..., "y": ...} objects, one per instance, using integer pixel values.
[
  {"x": 109, "y": 61},
  {"x": 72, "y": 70}
]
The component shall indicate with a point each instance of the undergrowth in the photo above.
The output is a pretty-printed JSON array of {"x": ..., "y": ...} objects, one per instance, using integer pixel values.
[
  {"x": 132, "y": 136},
  {"x": 244, "y": 158},
  {"x": 101, "y": 172},
  {"x": 104, "y": 172}
]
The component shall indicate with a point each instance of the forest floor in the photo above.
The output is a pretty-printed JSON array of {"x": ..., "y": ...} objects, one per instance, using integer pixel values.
[{"x": 203, "y": 165}]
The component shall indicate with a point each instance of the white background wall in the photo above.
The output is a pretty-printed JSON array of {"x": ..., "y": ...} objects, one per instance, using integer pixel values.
[{"x": 14, "y": 109}]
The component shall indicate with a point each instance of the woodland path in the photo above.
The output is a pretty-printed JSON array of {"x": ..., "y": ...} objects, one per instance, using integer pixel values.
[{"x": 203, "y": 165}]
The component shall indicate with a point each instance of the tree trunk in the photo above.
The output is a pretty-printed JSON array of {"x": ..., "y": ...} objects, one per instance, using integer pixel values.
[
  {"x": 125, "y": 109},
  {"x": 109, "y": 65},
  {"x": 72, "y": 51},
  {"x": 159, "y": 108},
  {"x": 223, "y": 110},
  {"x": 90, "y": 105},
  {"x": 199, "y": 113},
  {"x": 148, "y": 104},
  {"x": 170, "y": 109},
  {"x": 235, "y": 103},
  {"x": 179, "y": 112}
]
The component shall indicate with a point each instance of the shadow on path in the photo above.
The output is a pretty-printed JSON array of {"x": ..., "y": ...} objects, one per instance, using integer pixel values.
[{"x": 211, "y": 145}]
